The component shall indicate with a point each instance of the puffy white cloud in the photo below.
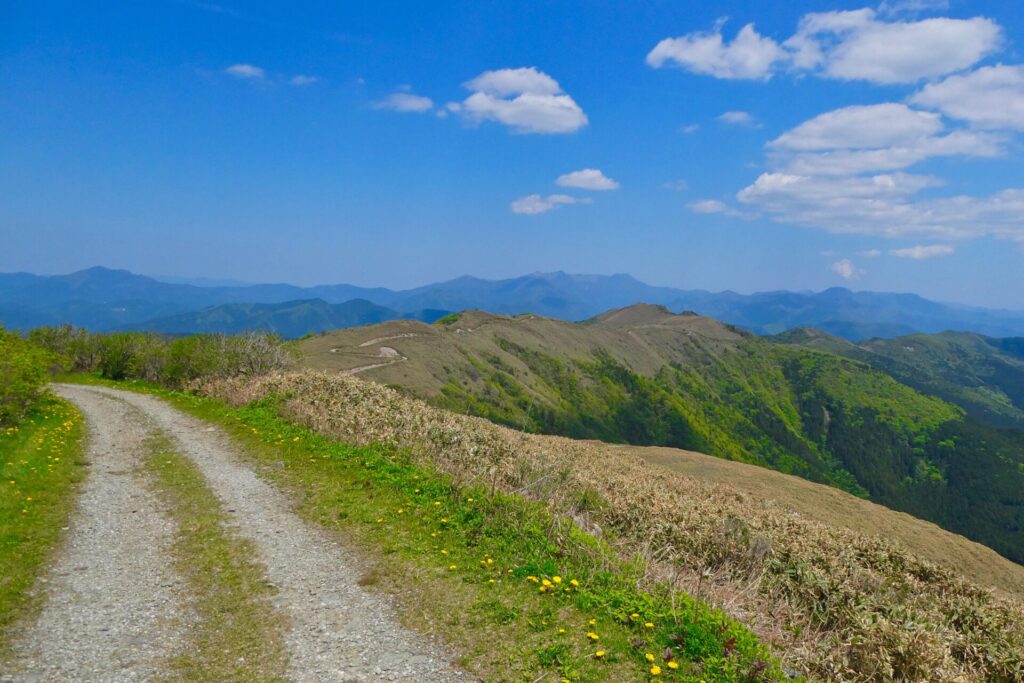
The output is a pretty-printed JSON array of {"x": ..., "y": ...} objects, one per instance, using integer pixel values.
[
  {"x": 846, "y": 269},
  {"x": 855, "y": 45},
  {"x": 845, "y": 162},
  {"x": 738, "y": 118},
  {"x": 690, "y": 129},
  {"x": 587, "y": 179},
  {"x": 534, "y": 204},
  {"x": 750, "y": 55},
  {"x": 525, "y": 99},
  {"x": 920, "y": 252},
  {"x": 862, "y": 126},
  {"x": 847, "y": 45},
  {"x": 405, "y": 102},
  {"x": 245, "y": 71},
  {"x": 302, "y": 79},
  {"x": 990, "y": 97},
  {"x": 873, "y": 138}
]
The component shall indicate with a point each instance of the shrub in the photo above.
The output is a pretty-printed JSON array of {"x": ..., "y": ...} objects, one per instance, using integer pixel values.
[{"x": 24, "y": 372}]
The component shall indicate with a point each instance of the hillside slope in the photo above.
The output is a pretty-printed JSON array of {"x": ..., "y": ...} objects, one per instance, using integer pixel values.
[
  {"x": 645, "y": 376},
  {"x": 842, "y": 605},
  {"x": 983, "y": 375}
]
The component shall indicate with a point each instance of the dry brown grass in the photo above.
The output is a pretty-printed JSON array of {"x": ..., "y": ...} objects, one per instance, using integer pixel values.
[{"x": 835, "y": 603}]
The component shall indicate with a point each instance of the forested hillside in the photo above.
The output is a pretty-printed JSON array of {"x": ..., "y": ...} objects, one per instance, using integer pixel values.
[{"x": 642, "y": 375}]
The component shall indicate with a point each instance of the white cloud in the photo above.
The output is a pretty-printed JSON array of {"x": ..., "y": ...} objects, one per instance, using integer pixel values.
[
  {"x": 405, "y": 102},
  {"x": 750, "y": 55},
  {"x": 870, "y": 253},
  {"x": 990, "y": 97},
  {"x": 873, "y": 138},
  {"x": 690, "y": 129},
  {"x": 708, "y": 206},
  {"x": 534, "y": 204},
  {"x": 855, "y": 45},
  {"x": 245, "y": 71},
  {"x": 526, "y": 100},
  {"x": 886, "y": 205},
  {"x": 302, "y": 79},
  {"x": 676, "y": 185},
  {"x": 846, "y": 269},
  {"x": 587, "y": 179},
  {"x": 920, "y": 253},
  {"x": 857, "y": 127},
  {"x": 897, "y": 8},
  {"x": 738, "y": 118},
  {"x": 845, "y": 45}
]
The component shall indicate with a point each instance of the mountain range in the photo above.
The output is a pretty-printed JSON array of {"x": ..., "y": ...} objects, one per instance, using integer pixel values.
[
  {"x": 645, "y": 376},
  {"x": 102, "y": 299}
]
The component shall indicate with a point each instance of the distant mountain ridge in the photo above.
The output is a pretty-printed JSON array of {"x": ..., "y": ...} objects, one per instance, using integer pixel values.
[
  {"x": 291, "y": 319},
  {"x": 104, "y": 299}
]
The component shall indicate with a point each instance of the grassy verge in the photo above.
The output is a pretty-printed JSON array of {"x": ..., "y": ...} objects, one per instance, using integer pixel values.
[
  {"x": 40, "y": 464},
  {"x": 523, "y": 595},
  {"x": 239, "y": 637}
]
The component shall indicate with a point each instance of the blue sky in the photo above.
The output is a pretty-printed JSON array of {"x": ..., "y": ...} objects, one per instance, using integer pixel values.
[{"x": 730, "y": 145}]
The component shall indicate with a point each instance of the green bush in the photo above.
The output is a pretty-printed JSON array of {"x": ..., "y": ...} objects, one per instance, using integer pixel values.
[
  {"x": 161, "y": 360},
  {"x": 24, "y": 373}
]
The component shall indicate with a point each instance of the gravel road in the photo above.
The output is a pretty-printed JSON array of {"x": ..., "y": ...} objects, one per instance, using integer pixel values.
[
  {"x": 113, "y": 609},
  {"x": 338, "y": 631}
]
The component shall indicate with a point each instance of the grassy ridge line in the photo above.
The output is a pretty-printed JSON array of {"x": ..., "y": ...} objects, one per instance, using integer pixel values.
[
  {"x": 240, "y": 635},
  {"x": 41, "y": 463},
  {"x": 842, "y": 605},
  {"x": 494, "y": 574}
]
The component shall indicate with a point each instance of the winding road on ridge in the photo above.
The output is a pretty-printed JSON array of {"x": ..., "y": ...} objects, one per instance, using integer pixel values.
[{"x": 114, "y": 609}]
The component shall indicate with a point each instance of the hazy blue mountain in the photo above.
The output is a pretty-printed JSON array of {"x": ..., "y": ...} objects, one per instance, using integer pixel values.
[
  {"x": 103, "y": 299},
  {"x": 291, "y": 319}
]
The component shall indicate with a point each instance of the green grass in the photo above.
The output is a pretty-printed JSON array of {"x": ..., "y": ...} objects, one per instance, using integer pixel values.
[
  {"x": 470, "y": 565},
  {"x": 239, "y": 634},
  {"x": 40, "y": 465}
]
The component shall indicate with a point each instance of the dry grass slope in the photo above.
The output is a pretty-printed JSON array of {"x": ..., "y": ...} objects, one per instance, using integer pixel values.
[{"x": 838, "y": 604}]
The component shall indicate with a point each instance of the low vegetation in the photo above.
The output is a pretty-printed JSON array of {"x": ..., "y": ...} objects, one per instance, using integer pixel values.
[
  {"x": 162, "y": 360},
  {"x": 239, "y": 636},
  {"x": 40, "y": 464},
  {"x": 833, "y": 603}
]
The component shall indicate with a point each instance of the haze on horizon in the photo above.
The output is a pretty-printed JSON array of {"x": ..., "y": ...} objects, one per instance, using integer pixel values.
[{"x": 735, "y": 147}]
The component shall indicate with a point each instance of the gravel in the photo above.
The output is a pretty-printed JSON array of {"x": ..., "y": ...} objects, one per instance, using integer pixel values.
[
  {"x": 338, "y": 631},
  {"x": 113, "y": 609}
]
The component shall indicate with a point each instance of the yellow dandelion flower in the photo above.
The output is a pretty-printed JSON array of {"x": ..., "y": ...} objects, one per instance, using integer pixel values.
[
  {"x": 546, "y": 583},
  {"x": 648, "y": 624},
  {"x": 452, "y": 566},
  {"x": 673, "y": 664},
  {"x": 649, "y": 657},
  {"x": 592, "y": 622},
  {"x": 655, "y": 670},
  {"x": 575, "y": 583},
  {"x": 599, "y": 654},
  {"x": 593, "y": 636},
  {"x": 556, "y": 579}
]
